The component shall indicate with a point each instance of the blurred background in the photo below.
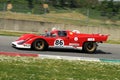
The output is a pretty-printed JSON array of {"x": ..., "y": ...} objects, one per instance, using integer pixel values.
[
  {"x": 88, "y": 15},
  {"x": 93, "y": 9}
]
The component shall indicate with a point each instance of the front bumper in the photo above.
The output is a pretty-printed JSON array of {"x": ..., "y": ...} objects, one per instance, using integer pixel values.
[{"x": 16, "y": 45}]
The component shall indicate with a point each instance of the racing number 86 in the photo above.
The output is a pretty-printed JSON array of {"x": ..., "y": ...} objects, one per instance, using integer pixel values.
[{"x": 59, "y": 42}]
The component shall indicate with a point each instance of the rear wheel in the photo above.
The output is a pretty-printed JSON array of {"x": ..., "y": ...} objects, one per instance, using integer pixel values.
[
  {"x": 39, "y": 45},
  {"x": 89, "y": 47}
]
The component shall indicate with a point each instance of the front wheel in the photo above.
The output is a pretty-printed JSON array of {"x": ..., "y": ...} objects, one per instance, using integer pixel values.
[
  {"x": 89, "y": 47},
  {"x": 39, "y": 45}
]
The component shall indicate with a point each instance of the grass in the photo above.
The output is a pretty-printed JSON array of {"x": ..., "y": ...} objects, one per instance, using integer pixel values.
[
  {"x": 22, "y": 68},
  {"x": 8, "y": 33},
  {"x": 12, "y": 33},
  {"x": 114, "y": 41}
]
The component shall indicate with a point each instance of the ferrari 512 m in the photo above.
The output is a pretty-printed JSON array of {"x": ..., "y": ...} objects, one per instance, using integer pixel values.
[{"x": 61, "y": 39}]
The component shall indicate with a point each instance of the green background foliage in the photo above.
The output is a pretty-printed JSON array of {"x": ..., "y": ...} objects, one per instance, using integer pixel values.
[{"x": 107, "y": 7}]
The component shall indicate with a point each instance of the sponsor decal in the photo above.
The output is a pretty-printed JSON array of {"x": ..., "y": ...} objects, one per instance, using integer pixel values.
[
  {"x": 73, "y": 44},
  {"x": 71, "y": 33},
  {"x": 27, "y": 45},
  {"x": 91, "y": 39}
]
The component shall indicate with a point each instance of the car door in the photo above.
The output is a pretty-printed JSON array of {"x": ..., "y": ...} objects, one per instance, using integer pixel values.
[
  {"x": 58, "y": 39},
  {"x": 62, "y": 40}
]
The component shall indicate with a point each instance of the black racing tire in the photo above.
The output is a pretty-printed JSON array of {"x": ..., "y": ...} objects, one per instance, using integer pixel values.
[
  {"x": 89, "y": 47},
  {"x": 39, "y": 45}
]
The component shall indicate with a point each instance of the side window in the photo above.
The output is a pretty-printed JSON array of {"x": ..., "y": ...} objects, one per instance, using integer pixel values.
[{"x": 62, "y": 33}]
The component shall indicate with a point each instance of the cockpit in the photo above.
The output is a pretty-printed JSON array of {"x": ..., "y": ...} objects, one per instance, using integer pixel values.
[
  {"x": 56, "y": 33},
  {"x": 62, "y": 33}
]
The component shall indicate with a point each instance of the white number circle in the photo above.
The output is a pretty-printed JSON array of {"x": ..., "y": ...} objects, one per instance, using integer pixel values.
[
  {"x": 76, "y": 39},
  {"x": 59, "y": 42}
]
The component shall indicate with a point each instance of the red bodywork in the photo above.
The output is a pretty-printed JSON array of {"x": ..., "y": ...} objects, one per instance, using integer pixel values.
[{"x": 58, "y": 38}]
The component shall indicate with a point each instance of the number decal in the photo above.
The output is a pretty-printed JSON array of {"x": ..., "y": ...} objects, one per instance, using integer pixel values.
[{"x": 59, "y": 43}]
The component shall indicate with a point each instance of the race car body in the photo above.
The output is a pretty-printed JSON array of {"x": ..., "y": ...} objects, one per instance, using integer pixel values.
[{"x": 61, "y": 39}]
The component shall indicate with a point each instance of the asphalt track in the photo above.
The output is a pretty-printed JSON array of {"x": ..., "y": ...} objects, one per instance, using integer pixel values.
[{"x": 104, "y": 51}]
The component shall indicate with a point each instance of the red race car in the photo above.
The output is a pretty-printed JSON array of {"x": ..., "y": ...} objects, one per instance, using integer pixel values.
[{"x": 61, "y": 39}]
